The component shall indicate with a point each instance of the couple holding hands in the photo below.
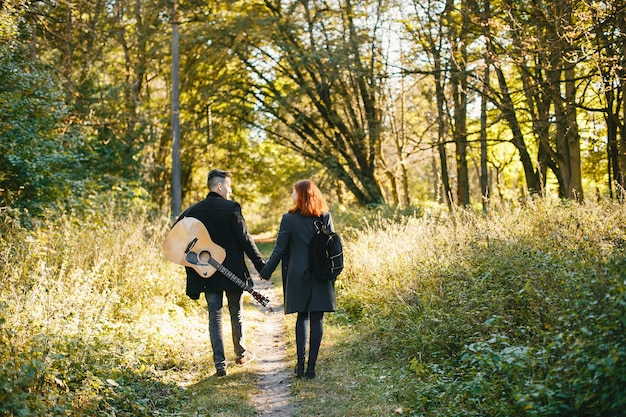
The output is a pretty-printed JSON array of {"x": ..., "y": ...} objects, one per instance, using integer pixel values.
[{"x": 304, "y": 295}]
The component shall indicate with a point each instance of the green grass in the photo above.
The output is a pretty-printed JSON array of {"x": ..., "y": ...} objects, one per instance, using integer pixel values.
[
  {"x": 94, "y": 321},
  {"x": 516, "y": 313}
]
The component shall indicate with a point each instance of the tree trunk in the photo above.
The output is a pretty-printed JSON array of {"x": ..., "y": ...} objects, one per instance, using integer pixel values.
[
  {"x": 484, "y": 175},
  {"x": 441, "y": 128},
  {"x": 445, "y": 177},
  {"x": 572, "y": 139},
  {"x": 620, "y": 176},
  {"x": 459, "y": 86},
  {"x": 508, "y": 110},
  {"x": 612, "y": 153},
  {"x": 505, "y": 104},
  {"x": 176, "y": 188}
]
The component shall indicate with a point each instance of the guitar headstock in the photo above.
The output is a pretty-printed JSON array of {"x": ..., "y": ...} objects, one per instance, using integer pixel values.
[{"x": 263, "y": 300}]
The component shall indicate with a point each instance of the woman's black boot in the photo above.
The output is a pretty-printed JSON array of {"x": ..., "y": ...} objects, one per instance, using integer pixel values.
[
  {"x": 300, "y": 368},
  {"x": 310, "y": 371}
]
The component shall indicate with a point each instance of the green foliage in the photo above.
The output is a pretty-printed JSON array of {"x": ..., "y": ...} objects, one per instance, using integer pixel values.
[
  {"x": 519, "y": 312},
  {"x": 41, "y": 156},
  {"x": 92, "y": 318},
  {"x": 57, "y": 153},
  {"x": 516, "y": 313}
]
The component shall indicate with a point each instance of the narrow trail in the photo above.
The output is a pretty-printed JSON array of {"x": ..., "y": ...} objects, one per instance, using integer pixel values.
[{"x": 275, "y": 374}]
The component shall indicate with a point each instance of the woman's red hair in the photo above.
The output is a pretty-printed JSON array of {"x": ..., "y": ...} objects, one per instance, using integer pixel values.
[{"x": 309, "y": 199}]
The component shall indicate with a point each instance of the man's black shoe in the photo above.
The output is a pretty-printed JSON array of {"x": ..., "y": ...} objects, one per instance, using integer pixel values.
[{"x": 247, "y": 357}]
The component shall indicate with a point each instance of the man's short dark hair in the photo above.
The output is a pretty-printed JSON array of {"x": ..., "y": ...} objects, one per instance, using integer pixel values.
[{"x": 216, "y": 176}]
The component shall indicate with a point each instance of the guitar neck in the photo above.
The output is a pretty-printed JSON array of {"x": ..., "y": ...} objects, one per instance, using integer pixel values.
[
  {"x": 241, "y": 283},
  {"x": 234, "y": 278}
]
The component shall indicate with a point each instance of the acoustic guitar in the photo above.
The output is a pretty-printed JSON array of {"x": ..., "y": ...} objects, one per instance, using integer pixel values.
[{"x": 188, "y": 243}]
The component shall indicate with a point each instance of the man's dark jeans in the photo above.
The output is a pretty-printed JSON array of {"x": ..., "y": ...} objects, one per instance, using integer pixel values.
[{"x": 235, "y": 307}]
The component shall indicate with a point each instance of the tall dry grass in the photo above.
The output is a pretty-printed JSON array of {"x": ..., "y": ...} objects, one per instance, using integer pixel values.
[
  {"x": 92, "y": 317},
  {"x": 518, "y": 312}
]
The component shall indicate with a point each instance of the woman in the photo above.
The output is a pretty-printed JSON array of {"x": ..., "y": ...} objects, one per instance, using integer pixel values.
[{"x": 303, "y": 294}]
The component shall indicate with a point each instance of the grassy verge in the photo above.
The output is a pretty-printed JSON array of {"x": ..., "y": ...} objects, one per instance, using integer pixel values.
[
  {"x": 518, "y": 313},
  {"x": 94, "y": 322}
]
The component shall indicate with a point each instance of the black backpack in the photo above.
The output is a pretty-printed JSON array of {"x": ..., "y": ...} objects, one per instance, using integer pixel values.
[{"x": 325, "y": 253}]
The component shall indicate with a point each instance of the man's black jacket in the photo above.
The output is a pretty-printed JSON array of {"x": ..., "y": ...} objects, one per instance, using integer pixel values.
[{"x": 227, "y": 228}]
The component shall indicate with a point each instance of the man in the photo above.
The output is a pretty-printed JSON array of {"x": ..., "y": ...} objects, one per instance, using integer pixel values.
[{"x": 227, "y": 228}]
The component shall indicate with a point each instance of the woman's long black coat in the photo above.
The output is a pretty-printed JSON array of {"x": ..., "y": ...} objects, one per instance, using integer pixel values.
[{"x": 302, "y": 292}]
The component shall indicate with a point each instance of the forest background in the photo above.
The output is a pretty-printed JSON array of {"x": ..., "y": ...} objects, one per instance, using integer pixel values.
[
  {"x": 479, "y": 145},
  {"x": 398, "y": 103}
]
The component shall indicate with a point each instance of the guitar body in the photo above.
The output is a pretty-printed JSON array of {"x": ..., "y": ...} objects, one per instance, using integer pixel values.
[{"x": 190, "y": 236}]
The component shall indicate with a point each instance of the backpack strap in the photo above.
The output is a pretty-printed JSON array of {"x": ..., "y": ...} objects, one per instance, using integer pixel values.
[
  {"x": 319, "y": 224},
  {"x": 323, "y": 222}
]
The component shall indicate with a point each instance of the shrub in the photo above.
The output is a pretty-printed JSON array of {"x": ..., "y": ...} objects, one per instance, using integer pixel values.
[
  {"x": 90, "y": 312},
  {"x": 520, "y": 312}
]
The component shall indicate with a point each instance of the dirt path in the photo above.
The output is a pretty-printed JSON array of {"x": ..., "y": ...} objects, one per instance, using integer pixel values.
[{"x": 273, "y": 367}]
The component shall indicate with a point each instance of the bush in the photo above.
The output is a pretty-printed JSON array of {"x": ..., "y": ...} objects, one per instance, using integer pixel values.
[
  {"x": 90, "y": 312},
  {"x": 517, "y": 313}
]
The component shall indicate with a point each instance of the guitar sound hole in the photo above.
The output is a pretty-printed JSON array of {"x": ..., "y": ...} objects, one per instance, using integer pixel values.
[{"x": 204, "y": 256}]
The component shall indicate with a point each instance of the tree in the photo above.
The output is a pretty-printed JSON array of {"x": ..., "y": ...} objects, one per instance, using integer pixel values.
[
  {"x": 502, "y": 97},
  {"x": 609, "y": 43},
  {"x": 459, "y": 38},
  {"x": 540, "y": 50},
  {"x": 40, "y": 149},
  {"x": 107, "y": 53},
  {"x": 436, "y": 33},
  {"x": 318, "y": 80}
]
